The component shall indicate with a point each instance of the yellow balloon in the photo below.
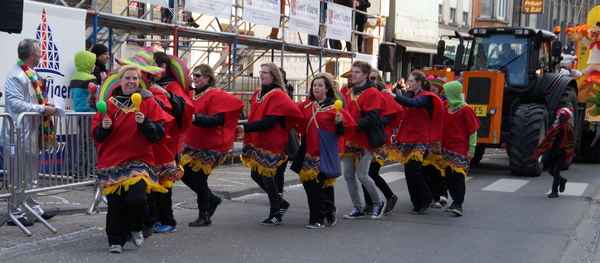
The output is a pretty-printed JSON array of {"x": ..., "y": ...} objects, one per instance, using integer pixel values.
[
  {"x": 136, "y": 99},
  {"x": 594, "y": 16},
  {"x": 338, "y": 106}
]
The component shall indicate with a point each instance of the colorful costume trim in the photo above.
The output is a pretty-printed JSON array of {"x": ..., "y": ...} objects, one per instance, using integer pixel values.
[
  {"x": 456, "y": 161},
  {"x": 116, "y": 179},
  {"x": 205, "y": 160},
  {"x": 355, "y": 151},
  {"x": 263, "y": 161}
]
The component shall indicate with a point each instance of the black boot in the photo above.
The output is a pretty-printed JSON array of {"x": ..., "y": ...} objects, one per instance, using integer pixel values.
[
  {"x": 563, "y": 184},
  {"x": 202, "y": 220},
  {"x": 554, "y": 193},
  {"x": 213, "y": 205}
]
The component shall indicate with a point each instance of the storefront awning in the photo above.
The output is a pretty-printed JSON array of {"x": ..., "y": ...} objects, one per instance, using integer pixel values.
[{"x": 417, "y": 47}]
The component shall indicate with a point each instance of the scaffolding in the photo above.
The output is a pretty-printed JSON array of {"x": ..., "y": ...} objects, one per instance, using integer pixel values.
[{"x": 232, "y": 46}]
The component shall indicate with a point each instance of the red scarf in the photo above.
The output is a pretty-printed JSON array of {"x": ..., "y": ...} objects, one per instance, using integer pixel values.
[{"x": 48, "y": 132}]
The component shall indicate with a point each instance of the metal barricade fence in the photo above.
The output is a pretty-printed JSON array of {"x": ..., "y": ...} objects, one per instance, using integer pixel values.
[
  {"x": 70, "y": 161},
  {"x": 9, "y": 182}
]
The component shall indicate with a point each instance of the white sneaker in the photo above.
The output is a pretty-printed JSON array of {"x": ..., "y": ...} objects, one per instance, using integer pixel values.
[
  {"x": 436, "y": 205},
  {"x": 137, "y": 238},
  {"x": 443, "y": 200},
  {"x": 115, "y": 249}
]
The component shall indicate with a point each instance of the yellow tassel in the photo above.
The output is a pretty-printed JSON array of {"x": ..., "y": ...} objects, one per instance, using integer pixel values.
[
  {"x": 353, "y": 155},
  {"x": 267, "y": 172},
  {"x": 307, "y": 175},
  {"x": 329, "y": 182},
  {"x": 124, "y": 186},
  {"x": 380, "y": 162},
  {"x": 167, "y": 184}
]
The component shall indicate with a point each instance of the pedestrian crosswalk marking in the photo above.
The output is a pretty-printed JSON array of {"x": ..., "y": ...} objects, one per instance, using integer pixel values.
[
  {"x": 392, "y": 176},
  {"x": 506, "y": 185},
  {"x": 575, "y": 189}
]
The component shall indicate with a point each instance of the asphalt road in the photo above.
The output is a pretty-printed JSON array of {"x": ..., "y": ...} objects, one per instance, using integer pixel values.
[{"x": 506, "y": 219}]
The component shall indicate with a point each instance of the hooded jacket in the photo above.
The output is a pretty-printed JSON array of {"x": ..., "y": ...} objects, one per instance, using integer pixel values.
[{"x": 84, "y": 63}]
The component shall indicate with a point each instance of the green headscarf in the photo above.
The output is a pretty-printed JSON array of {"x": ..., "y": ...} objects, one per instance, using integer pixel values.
[
  {"x": 453, "y": 92},
  {"x": 84, "y": 63}
]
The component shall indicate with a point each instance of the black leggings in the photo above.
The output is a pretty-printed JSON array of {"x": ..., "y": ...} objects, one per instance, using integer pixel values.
[
  {"x": 268, "y": 185},
  {"x": 126, "y": 213},
  {"x": 379, "y": 182}
]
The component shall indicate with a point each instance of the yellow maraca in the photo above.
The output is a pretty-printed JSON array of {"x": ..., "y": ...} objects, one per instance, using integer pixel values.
[
  {"x": 338, "y": 106},
  {"x": 136, "y": 99}
]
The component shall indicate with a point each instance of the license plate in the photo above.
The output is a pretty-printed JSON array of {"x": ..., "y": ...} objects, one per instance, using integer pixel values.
[{"x": 480, "y": 110}]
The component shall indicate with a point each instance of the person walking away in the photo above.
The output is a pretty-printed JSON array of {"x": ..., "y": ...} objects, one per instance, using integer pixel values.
[{"x": 558, "y": 147}]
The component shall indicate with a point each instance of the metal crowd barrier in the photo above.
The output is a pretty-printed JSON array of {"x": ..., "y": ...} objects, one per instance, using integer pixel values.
[{"x": 29, "y": 170}]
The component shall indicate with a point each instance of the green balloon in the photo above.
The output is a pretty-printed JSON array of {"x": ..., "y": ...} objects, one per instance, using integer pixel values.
[{"x": 101, "y": 106}]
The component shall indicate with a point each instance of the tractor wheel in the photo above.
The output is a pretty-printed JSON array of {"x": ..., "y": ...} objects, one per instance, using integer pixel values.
[
  {"x": 590, "y": 154},
  {"x": 479, "y": 151},
  {"x": 528, "y": 127}
]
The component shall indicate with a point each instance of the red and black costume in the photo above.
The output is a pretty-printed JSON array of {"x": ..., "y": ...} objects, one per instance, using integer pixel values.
[
  {"x": 366, "y": 106},
  {"x": 272, "y": 116},
  {"x": 418, "y": 143},
  {"x": 319, "y": 189},
  {"x": 207, "y": 142},
  {"x": 125, "y": 157}
]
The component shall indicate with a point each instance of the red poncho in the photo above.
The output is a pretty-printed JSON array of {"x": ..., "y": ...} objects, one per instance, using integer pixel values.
[
  {"x": 420, "y": 136},
  {"x": 126, "y": 144},
  {"x": 263, "y": 151},
  {"x": 366, "y": 100},
  {"x": 206, "y": 148},
  {"x": 459, "y": 125},
  {"x": 176, "y": 132},
  {"x": 325, "y": 118}
]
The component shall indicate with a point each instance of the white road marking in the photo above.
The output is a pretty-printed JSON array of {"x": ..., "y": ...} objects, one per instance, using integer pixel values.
[
  {"x": 392, "y": 176},
  {"x": 574, "y": 189},
  {"x": 506, "y": 185}
]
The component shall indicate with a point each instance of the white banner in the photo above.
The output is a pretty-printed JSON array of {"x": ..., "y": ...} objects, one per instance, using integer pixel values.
[
  {"x": 304, "y": 16},
  {"x": 262, "y": 12},
  {"x": 339, "y": 22},
  {"x": 163, "y": 3},
  {"x": 61, "y": 31},
  {"x": 216, "y": 8}
]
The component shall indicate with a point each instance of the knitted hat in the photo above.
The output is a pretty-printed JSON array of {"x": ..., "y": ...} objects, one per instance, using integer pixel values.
[
  {"x": 567, "y": 111},
  {"x": 439, "y": 84},
  {"x": 99, "y": 49}
]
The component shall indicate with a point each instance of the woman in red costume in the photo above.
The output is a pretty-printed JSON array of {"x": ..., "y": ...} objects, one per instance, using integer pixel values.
[
  {"x": 366, "y": 105},
  {"x": 272, "y": 116},
  {"x": 124, "y": 138},
  {"x": 174, "y": 85},
  {"x": 419, "y": 138},
  {"x": 458, "y": 143},
  {"x": 208, "y": 139},
  {"x": 319, "y": 113}
]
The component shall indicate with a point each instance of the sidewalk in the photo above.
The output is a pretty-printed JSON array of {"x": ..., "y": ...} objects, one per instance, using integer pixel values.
[{"x": 228, "y": 181}]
